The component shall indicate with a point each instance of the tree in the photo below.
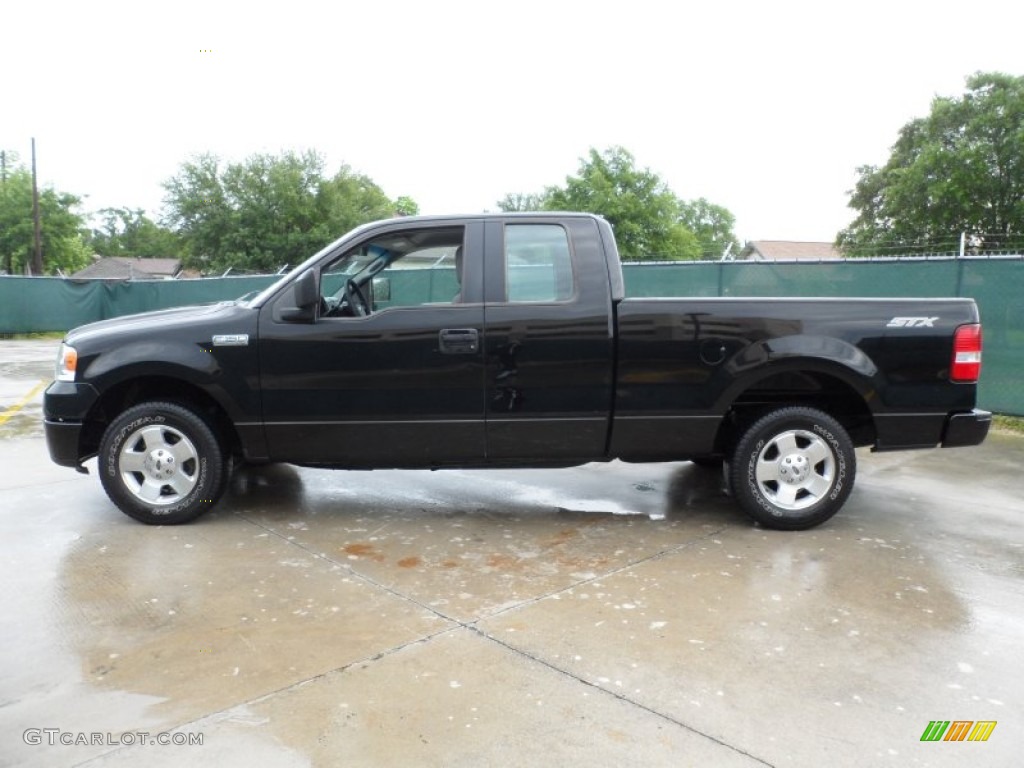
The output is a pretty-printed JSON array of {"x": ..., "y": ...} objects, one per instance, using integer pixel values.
[
  {"x": 61, "y": 226},
  {"x": 125, "y": 232},
  {"x": 518, "y": 201},
  {"x": 406, "y": 206},
  {"x": 958, "y": 170},
  {"x": 268, "y": 211},
  {"x": 712, "y": 224},
  {"x": 640, "y": 207}
]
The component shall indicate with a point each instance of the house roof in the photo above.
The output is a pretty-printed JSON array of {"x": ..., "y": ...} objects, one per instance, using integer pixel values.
[
  {"x": 789, "y": 250},
  {"x": 126, "y": 268}
]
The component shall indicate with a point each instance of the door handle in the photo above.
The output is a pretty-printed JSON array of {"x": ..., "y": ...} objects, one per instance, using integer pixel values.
[{"x": 459, "y": 341}]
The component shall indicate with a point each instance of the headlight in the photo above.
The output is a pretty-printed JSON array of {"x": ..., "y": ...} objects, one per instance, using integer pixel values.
[{"x": 67, "y": 363}]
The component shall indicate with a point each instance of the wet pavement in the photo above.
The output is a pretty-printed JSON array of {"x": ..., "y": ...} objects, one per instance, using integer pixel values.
[
  {"x": 26, "y": 367},
  {"x": 608, "y": 615}
]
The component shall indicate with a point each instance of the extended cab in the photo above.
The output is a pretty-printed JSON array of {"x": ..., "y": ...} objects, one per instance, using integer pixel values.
[{"x": 507, "y": 341}]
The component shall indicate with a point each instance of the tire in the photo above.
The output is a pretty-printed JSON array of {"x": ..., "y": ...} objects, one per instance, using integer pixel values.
[
  {"x": 161, "y": 464},
  {"x": 793, "y": 469}
]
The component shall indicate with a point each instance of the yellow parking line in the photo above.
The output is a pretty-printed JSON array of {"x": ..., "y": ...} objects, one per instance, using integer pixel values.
[{"x": 21, "y": 403}]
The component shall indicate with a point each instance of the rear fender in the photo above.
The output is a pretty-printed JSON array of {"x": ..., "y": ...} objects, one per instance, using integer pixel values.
[{"x": 811, "y": 354}]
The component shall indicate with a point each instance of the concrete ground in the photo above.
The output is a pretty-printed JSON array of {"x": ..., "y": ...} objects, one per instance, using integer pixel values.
[{"x": 606, "y": 615}]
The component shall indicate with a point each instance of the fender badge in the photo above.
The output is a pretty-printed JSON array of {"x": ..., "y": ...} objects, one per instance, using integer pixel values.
[
  {"x": 231, "y": 340},
  {"x": 912, "y": 322}
]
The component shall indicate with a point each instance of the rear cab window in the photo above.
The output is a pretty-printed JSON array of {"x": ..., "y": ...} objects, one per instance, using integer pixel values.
[{"x": 538, "y": 264}]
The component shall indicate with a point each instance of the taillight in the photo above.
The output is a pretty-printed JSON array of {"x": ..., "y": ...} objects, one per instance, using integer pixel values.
[{"x": 966, "y": 365}]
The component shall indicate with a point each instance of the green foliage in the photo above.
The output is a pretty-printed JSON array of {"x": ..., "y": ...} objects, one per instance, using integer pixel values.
[
  {"x": 515, "y": 202},
  {"x": 640, "y": 207},
  {"x": 267, "y": 211},
  {"x": 1008, "y": 423},
  {"x": 60, "y": 226},
  {"x": 406, "y": 206},
  {"x": 125, "y": 232},
  {"x": 712, "y": 224},
  {"x": 650, "y": 222},
  {"x": 958, "y": 170}
]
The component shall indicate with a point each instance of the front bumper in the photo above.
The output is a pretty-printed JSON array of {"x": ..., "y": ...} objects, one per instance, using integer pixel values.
[
  {"x": 65, "y": 407},
  {"x": 62, "y": 440},
  {"x": 966, "y": 428}
]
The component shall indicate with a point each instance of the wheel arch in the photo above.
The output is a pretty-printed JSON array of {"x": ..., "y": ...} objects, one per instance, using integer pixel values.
[
  {"x": 124, "y": 394},
  {"x": 841, "y": 392}
]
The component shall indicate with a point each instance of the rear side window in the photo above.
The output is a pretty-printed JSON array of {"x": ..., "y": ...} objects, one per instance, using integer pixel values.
[{"x": 538, "y": 266}]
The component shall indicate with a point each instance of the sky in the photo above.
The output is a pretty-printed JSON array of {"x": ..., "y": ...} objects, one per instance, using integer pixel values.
[{"x": 766, "y": 108}]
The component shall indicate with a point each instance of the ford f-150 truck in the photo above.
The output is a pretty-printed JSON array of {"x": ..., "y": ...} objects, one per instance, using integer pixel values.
[{"x": 507, "y": 341}]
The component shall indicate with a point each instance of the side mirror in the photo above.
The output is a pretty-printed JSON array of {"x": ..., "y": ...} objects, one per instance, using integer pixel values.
[
  {"x": 381, "y": 289},
  {"x": 306, "y": 298}
]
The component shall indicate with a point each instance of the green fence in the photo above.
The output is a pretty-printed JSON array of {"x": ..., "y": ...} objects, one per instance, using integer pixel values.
[
  {"x": 32, "y": 304},
  {"x": 29, "y": 304}
]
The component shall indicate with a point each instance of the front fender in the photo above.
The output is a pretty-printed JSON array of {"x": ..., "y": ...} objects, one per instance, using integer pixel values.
[
  {"x": 227, "y": 374},
  {"x": 191, "y": 361}
]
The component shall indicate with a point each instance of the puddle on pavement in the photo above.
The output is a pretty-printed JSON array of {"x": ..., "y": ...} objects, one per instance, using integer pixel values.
[
  {"x": 200, "y": 617},
  {"x": 170, "y": 624},
  {"x": 28, "y": 422},
  {"x": 41, "y": 625}
]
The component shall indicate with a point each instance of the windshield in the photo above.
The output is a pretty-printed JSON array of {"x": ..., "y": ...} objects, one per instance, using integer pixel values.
[{"x": 271, "y": 289}]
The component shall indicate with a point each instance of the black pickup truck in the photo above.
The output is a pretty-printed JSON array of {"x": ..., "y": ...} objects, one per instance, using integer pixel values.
[{"x": 508, "y": 341}]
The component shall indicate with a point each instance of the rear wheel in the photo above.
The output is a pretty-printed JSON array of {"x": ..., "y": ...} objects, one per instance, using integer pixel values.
[
  {"x": 161, "y": 464},
  {"x": 793, "y": 469}
]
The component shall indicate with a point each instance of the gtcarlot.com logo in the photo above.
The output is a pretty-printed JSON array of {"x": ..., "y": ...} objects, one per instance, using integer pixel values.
[
  {"x": 54, "y": 736},
  {"x": 958, "y": 730}
]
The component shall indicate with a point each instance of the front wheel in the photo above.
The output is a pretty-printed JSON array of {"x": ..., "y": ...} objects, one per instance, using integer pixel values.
[
  {"x": 793, "y": 469},
  {"x": 161, "y": 464}
]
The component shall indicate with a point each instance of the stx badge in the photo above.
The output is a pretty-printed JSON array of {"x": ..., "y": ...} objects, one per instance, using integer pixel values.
[{"x": 912, "y": 322}]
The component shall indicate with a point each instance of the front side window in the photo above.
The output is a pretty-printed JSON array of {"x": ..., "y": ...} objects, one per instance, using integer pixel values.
[
  {"x": 398, "y": 269},
  {"x": 538, "y": 266}
]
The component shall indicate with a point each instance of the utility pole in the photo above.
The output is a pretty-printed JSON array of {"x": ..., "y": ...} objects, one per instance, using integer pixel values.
[
  {"x": 37, "y": 254},
  {"x": 3, "y": 181}
]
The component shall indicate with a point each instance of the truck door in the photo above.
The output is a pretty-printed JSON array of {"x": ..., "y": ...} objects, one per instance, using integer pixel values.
[
  {"x": 390, "y": 371},
  {"x": 550, "y": 340}
]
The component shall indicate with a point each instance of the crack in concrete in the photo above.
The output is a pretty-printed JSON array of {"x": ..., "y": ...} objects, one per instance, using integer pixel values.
[
  {"x": 473, "y": 627},
  {"x": 619, "y": 696}
]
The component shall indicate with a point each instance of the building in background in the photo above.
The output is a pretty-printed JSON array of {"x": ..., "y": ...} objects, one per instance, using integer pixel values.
[
  {"x": 788, "y": 250},
  {"x": 127, "y": 268}
]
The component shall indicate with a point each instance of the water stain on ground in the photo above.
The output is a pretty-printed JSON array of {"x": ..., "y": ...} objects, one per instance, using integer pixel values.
[{"x": 368, "y": 551}]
